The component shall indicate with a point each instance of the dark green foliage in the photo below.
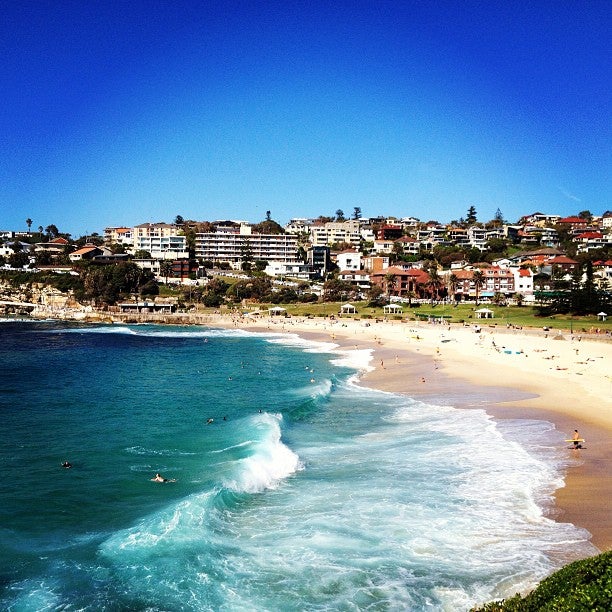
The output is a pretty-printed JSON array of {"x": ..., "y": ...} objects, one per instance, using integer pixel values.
[
  {"x": 582, "y": 585},
  {"x": 576, "y": 296},
  {"x": 285, "y": 295},
  {"x": 335, "y": 290},
  {"x": 269, "y": 226},
  {"x": 471, "y": 215},
  {"x": 150, "y": 288},
  {"x": 19, "y": 260},
  {"x": 105, "y": 284}
]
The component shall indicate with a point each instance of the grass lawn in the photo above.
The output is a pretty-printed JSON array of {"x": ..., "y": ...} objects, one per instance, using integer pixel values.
[{"x": 523, "y": 316}]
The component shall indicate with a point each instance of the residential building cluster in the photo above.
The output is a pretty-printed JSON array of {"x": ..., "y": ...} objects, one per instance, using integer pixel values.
[{"x": 363, "y": 252}]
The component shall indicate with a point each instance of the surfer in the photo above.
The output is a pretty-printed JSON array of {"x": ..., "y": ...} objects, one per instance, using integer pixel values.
[
  {"x": 576, "y": 438},
  {"x": 160, "y": 478},
  {"x": 66, "y": 464}
]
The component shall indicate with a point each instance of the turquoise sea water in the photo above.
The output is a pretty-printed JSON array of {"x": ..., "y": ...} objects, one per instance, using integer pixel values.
[{"x": 307, "y": 492}]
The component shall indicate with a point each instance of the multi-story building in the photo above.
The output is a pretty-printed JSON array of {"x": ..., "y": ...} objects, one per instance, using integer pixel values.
[
  {"x": 540, "y": 219},
  {"x": 349, "y": 260},
  {"x": 161, "y": 240},
  {"x": 477, "y": 237},
  {"x": 336, "y": 232},
  {"x": 238, "y": 245},
  {"x": 401, "y": 282},
  {"x": 523, "y": 281},
  {"x": 319, "y": 257},
  {"x": 118, "y": 235},
  {"x": 299, "y": 226}
]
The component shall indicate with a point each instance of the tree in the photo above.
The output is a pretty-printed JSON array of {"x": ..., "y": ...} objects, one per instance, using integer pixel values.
[
  {"x": 29, "y": 224},
  {"x": 268, "y": 215},
  {"x": 397, "y": 251},
  {"x": 498, "y": 219},
  {"x": 357, "y": 213},
  {"x": 497, "y": 245},
  {"x": 390, "y": 282},
  {"x": 52, "y": 232},
  {"x": 453, "y": 284},
  {"x": 375, "y": 295},
  {"x": 206, "y": 227},
  {"x": 340, "y": 215},
  {"x": 434, "y": 283},
  {"x": 334, "y": 290},
  {"x": 499, "y": 299},
  {"x": 585, "y": 214},
  {"x": 478, "y": 279},
  {"x": 178, "y": 220},
  {"x": 117, "y": 248},
  {"x": 142, "y": 254},
  {"x": 19, "y": 260},
  {"x": 165, "y": 269},
  {"x": 190, "y": 241},
  {"x": 246, "y": 255},
  {"x": 471, "y": 215},
  {"x": 104, "y": 284},
  {"x": 269, "y": 226}
]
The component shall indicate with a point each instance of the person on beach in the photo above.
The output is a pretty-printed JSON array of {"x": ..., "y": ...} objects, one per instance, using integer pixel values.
[{"x": 576, "y": 439}]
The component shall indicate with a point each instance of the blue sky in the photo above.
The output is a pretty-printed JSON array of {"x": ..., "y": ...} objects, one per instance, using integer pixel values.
[{"x": 118, "y": 113}]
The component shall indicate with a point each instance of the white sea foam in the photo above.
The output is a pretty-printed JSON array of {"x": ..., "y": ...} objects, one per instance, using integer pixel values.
[
  {"x": 228, "y": 448},
  {"x": 271, "y": 461},
  {"x": 358, "y": 359},
  {"x": 160, "y": 452},
  {"x": 308, "y": 346}
]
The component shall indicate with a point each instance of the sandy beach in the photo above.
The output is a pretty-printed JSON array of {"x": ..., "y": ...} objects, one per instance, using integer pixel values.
[{"x": 562, "y": 378}]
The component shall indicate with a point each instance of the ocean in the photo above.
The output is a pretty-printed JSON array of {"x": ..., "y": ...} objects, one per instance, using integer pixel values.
[{"x": 307, "y": 491}]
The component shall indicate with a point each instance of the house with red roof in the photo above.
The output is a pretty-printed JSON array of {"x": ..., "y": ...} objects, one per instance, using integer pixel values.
[
  {"x": 401, "y": 282},
  {"x": 89, "y": 251}
]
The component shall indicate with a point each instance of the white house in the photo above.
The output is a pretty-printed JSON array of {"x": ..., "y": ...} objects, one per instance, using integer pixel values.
[{"x": 349, "y": 260}]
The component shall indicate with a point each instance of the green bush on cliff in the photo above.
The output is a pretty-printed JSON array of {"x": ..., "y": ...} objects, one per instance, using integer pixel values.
[{"x": 582, "y": 585}]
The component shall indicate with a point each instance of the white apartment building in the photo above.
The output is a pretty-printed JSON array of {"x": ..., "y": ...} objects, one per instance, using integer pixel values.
[
  {"x": 523, "y": 281},
  {"x": 299, "y": 226},
  {"x": 299, "y": 270},
  {"x": 335, "y": 232},
  {"x": 162, "y": 240},
  {"x": 382, "y": 246},
  {"x": 118, "y": 235},
  {"x": 349, "y": 260},
  {"x": 239, "y": 244}
]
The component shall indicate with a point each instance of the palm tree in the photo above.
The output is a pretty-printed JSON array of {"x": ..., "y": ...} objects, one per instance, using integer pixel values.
[
  {"x": 390, "y": 280},
  {"x": 453, "y": 283},
  {"x": 410, "y": 295},
  {"x": 165, "y": 269},
  {"x": 435, "y": 282},
  {"x": 29, "y": 224},
  {"x": 478, "y": 278}
]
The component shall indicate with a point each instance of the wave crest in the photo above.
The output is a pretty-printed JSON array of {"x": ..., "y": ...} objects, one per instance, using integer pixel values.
[{"x": 271, "y": 462}]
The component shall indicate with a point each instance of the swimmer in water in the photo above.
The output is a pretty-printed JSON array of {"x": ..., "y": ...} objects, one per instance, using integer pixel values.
[{"x": 160, "y": 478}]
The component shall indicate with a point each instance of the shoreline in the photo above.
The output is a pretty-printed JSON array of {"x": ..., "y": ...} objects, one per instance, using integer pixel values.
[{"x": 518, "y": 374}]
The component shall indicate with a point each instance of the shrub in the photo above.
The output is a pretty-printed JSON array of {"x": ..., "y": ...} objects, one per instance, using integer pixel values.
[{"x": 582, "y": 585}]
